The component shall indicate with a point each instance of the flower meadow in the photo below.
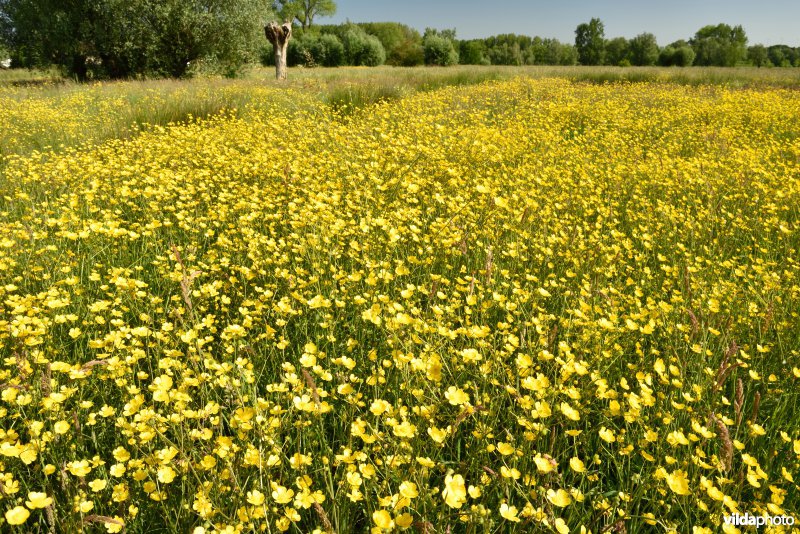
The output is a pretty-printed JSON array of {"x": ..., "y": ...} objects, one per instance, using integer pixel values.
[{"x": 521, "y": 306}]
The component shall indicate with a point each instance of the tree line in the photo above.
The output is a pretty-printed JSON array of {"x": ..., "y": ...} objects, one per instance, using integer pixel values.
[
  {"x": 175, "y": 38},
  {"x": 372, "y": 44}
]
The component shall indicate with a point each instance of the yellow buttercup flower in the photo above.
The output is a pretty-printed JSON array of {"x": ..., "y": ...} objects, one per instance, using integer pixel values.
[
  {"x": 38, "y": 500},
  {"x": 454, "y": 493},
  {"x": 559, "y": 497},
  {"x": 382, "y": 519},
  {"x": 17, "y": 515},
  {"x": 678, "y": 483},
  {"x": 509, "y": 513},
  {"x": 255, "y": 497},
  {"x": 577, "y": 465}
]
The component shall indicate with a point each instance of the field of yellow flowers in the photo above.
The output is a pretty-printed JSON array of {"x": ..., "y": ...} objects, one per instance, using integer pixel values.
[{"x": 521, "y": 306}]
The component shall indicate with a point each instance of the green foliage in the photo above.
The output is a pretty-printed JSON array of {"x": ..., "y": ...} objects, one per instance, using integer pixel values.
[
  {"x": 677, "y": 54},
  {"x": 439, "y": 47},
  {"x": 473, "y": 52},
  {"x": 312, "y": 49},
  {"x": 362, "y": 49},
  {"x": 553, "y": 52},
  {"x": 618, "y": 52},
  {"x": 510, "y": 49},
  {"x": 403, "y": 44},
  {"x": 590, "y": 42},
  {"x": 720, "y": 45},
  {"x": 758, "y": 56},
  {"x": 643, "y": 50},
  {"x": 130, "y": 38},
  {"x": 784, "y": 56},
  {"x": 304, "y": 11}
]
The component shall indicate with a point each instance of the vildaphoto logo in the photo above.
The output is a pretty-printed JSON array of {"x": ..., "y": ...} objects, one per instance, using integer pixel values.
[{"x": 747, "y": 520}]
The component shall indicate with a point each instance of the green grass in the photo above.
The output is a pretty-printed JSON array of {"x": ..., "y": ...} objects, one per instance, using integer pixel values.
[{"x": 30, "y": 76}]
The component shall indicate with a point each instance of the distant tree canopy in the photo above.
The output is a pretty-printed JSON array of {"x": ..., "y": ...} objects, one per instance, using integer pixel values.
[
  {"x": 402, "y": 43},
  {"x": 590, "y": 42},
  {"x": 758, "y": 56},
  {"x": 135, "y": 38},
  {"x": 719, "y": 45},
  {"x": 334, "y": 46},
  {"x": 440, "y": 47},
  {"x": 677, "y": 54},
  {"x": 512, "y": 49},
  {"x": 130, "y": 38},
  {"x": 617, "y": 52},
  {"x": 304, "y": 11},
  {"x": 784, "y": 56},
  {"x": 644, "y": 50}
]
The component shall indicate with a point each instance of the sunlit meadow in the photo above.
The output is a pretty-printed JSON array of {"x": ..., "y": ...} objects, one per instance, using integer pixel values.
[{"x": 520, "y": 306}]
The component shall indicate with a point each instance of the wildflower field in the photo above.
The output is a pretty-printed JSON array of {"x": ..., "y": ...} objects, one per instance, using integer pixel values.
[{"x": 518, "y": 306}]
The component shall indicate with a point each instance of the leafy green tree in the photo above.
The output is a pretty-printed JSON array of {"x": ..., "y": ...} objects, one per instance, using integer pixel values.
[
  {"x": 617, "y": 52},
  {"x": 328, "y": 51},
  {"x": 360, "y": 48},
  {"x": 439, "y": 47},
  {"x": 719, "y": 45},
  {"x": 590, "y": 42},
  {"x": 129, "y": 38},
  {"x": 304, "y": 11},
  {"x": 311, "y": 50},
  {"x": 758, "y": 56},
  {"x": 677, "y": 54},
  {"x": 473, "y": 52},
  {"x": 784, "y": 56},
  {"x": 506, "y": 54},
  {"x": 402, "y": 43},
  {"x": 644, "y": 50},
  {"x": 554, "y": 52}
]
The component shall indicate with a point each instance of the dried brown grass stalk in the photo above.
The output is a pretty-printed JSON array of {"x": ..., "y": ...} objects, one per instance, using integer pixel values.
[
  {"x": 738, "y": 401},
  {"x": 186, "y": 280},
  {"x": 726, "y": 455},
  {"x": 102, "y": 519},
  {"x": 51, "y": 518},
  {"x": 756, "y": 405},
  {"x": 45, "y": 381},
  {"x": 724, "y": 370},
  {"x": 94, "y": 363},
  {"x": 466, "y": 412},
  {"x": 326, "y": 522},
  {"x": 768, "y": 318},
  {"x": 694, "y": 320},
  {"x": 525, "y": 215},
  {"x": 312, "y": 385}
]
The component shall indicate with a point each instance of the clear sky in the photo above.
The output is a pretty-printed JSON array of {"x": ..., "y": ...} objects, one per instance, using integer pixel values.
[{"x": 767, "y": 21}]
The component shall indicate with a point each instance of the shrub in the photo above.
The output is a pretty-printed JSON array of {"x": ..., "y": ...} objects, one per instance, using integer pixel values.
[
  {"x": 362, "y": 49},
  {"x": 439, "y": 50}
]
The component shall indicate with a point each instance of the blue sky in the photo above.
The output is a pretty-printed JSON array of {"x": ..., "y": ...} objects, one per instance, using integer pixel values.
[{"x": 767, "y": 21}]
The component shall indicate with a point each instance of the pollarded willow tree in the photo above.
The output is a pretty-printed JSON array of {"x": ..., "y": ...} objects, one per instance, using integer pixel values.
[{"x": 279, "y": 36}]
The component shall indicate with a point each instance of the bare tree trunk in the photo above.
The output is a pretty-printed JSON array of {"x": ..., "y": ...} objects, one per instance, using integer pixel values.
[{"x": 279, "y": 37}]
